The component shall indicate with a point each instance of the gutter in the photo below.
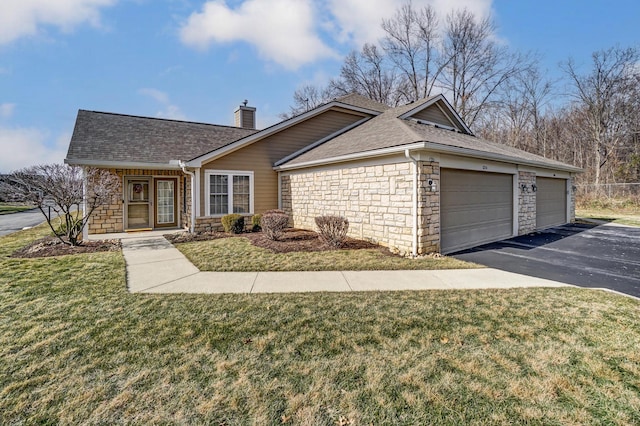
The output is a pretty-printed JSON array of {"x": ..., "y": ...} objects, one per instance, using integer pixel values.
[
  {"x": 183, "y": 166},
  {"x": 123, "y": 164},
  {"x": 407, "y": 154}
]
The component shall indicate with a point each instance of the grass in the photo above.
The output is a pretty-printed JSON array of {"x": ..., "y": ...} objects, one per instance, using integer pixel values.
[
  {"x": 7, "y": 208},
  {"x": 625, "y": 211},
  {"x": 237, "y": 254},
  {"x": 630, "y": 216},
  {"x": 75, "y": 347}
]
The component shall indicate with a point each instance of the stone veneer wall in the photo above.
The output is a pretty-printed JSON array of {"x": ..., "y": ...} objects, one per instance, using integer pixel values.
[
  {"x": 185, "y": 217},
  {"x": 209, "y": 224},
  {"x": 428, "y": 208},
  {"x": 526, "y": 203},
  {"x": 110, "y": 218},
  {"x": 572, "y": 200},
  {"x": 377, "y": 200}
]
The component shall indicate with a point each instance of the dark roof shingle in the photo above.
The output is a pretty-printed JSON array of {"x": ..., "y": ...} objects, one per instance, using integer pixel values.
[{"x": 109, "y": 137}]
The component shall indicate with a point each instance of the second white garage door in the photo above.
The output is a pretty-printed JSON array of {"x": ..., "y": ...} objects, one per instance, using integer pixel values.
[
  {"x": 551, "y": 202},
  {"x": 475, "y": 208}
]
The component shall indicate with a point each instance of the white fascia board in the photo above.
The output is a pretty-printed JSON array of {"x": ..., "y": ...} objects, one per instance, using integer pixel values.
[
  {"x": 351, "y": 157},
  {"x": 227, "y": 149},
  {"x": 123, "y": 164},
  {"x": 431, "y": 123},
  {"x": 428, "y": 146}
]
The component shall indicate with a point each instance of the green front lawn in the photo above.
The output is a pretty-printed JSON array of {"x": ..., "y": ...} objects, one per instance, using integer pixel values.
[
  {"x": 6, "y": 208},
  {"x": 237, "y": 254},
  {"x": 75, "y": 347}
]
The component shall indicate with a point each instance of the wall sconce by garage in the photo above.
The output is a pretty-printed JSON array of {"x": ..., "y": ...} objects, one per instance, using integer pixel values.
[
  {"x": 524, "y": 188},
  {"x": 534, "y": 188},
  {"x": 574, "y": 188},
  {"x": 431, "y": 186}
]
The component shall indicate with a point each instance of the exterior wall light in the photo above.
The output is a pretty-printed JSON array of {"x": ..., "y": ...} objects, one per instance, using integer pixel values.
[
  {"x": 524, "y": 188},
  {"x": 431, "y": 186},
  {"x": 534, "y": 188}
]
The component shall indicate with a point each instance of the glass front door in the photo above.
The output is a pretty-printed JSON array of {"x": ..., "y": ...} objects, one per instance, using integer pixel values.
[
  {"x": 166, "y": 202},
  {"x": 138, "y": 203}
]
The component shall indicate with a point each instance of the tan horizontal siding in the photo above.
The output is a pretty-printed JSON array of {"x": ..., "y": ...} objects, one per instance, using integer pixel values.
[
  {"x": 260, "y": 156},
  {"x": 434, "y": 115}
]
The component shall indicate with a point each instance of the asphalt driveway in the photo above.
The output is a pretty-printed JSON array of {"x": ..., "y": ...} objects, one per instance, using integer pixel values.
[{"x": 581, "y": 254}]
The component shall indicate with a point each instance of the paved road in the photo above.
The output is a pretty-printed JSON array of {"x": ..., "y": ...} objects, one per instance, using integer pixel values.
[
  {"x": 16, "y": 221},
  {"x": 585, "y": 255}
]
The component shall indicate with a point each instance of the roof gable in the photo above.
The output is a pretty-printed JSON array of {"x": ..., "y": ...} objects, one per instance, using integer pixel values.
[
  {"x": 394, "y": 131},
  {"x": 437, "y": 111},
  {"x": 278, "y": 127}
]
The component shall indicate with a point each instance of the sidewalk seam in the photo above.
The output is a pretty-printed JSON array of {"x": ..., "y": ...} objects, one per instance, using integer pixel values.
[
  {"x": 254, "y": 283},
  {"x": 346, "y": 280},
  {"x": 168, "y": 282}
]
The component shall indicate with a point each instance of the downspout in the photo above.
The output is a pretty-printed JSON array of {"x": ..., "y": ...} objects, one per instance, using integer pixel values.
[
  {"x": 415, "y": 202},
  {"x": 183, "y": 166}
]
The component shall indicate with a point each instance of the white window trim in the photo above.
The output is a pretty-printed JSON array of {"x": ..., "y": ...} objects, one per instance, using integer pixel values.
[{"x": 230, "y": 174}]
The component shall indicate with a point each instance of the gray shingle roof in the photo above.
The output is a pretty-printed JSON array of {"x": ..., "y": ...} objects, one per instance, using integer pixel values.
[
  {"x": 362, "y": 102},
  {"x": 387, "y": 130},
  {"x": 382, "y": 131},
  {"x": 109, "y": 137}
]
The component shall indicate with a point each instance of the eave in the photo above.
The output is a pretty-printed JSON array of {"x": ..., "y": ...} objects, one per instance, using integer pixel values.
[{"x": 430, "y": 147}]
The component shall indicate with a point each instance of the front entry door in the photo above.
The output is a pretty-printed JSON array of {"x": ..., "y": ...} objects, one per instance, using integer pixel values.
[
  {"x": 166, "y": 201},
  {"x": 138, "y": 204}
]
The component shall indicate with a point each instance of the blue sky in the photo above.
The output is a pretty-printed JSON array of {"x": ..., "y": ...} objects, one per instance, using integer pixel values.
[{"x": 198, "y": 60}]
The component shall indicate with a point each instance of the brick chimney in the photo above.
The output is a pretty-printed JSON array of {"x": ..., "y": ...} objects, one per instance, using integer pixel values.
[{"x": 245, "y": 116}]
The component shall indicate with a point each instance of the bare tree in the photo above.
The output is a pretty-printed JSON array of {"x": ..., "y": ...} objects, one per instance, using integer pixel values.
[
  {"x": 478, "y": 66},
  {"x": 367, "y": 73},
  {"x": 516, "y": 116},
  {"x": 411, "y": 42},
  {"x": 62, "y": 187},
  {"x": 603, "y": 92},
  {"x": 306, "y": 98}
]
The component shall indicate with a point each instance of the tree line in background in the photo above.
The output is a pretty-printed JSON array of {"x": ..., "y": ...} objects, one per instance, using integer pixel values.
[{"x": 590, "y": 118}]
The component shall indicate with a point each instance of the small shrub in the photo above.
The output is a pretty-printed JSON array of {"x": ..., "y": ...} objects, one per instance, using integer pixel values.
[
  {"x": 255, "y": 223},
  {"x": 233, "y": 223},
  {"x": 333, "y": 230},
  {"x": 273, "y": 223}
]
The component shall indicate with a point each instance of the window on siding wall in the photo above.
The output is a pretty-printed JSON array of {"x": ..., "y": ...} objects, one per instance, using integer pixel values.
[{"x": 229, "y": 192}]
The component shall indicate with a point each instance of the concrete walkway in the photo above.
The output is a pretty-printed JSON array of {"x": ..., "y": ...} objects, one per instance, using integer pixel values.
[{"x": 155, "y": 266}]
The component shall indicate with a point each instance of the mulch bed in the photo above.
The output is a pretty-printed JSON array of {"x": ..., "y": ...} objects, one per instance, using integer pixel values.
[
  {"x": 293, "y": 240},
  {"x": 51, "y": 246},
  {"x": 187, "y": 237}
]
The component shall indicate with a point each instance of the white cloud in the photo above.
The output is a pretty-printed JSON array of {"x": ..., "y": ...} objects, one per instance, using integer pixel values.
[
  {"x": 25, "y": 147},
  {"x": 283, "y": 31},
  {"x": 6, "y": 110},
  {"x": 358, "y": 21},
  {"x": 21, "y": 18},
  {"x": 168, "y": 110}
]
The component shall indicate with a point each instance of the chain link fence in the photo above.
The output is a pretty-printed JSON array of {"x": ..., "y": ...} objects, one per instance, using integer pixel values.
[{"x": 610, "y": 190}]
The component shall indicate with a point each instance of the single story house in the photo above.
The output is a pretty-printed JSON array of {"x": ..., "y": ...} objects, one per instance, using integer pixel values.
[{"x": 413, "y": 178}]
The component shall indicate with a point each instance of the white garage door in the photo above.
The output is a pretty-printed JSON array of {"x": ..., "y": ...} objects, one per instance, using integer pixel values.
[
  {"x": 551, "y": 202},
  {"x": 475, "y": 208}
]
